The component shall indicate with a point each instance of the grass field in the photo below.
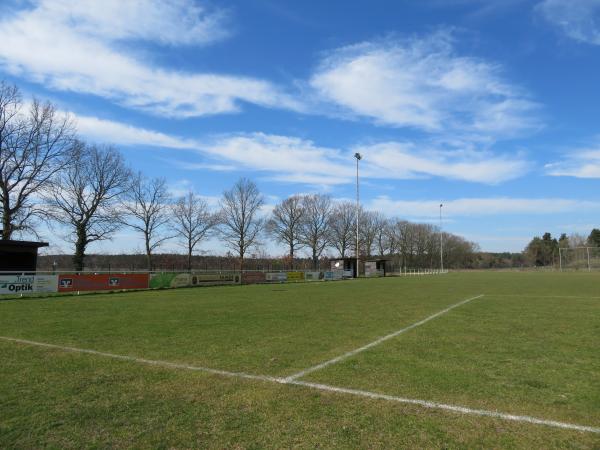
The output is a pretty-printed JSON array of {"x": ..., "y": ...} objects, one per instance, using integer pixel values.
[{"x": 524, "y": 344}]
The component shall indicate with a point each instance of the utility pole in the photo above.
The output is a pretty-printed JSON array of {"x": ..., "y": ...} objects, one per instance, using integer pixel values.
[
  {"x": 358, "y": 157},
  {"x": 441, "y": 241}
]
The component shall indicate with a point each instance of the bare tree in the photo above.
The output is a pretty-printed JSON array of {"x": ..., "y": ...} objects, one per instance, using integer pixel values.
[
  {"x": 315, "y": 226},
  {"x": 370, "y": 222},
  {"x": 577, "y": 240},
  {"x": 392, "y": 236},
  {"x": 382, "y": 241},
  {"x": 342, "y": 227},
  {"x": 401, "y": 235},
  {"x": 85, "y": 197},
  {"x": 239, "y": 217},
  {"x": 285, "y": 223},
  {"x": 145, "y": 204},
  {"x": 34, "y": 146},
  {"x": 192, "y": 222}
]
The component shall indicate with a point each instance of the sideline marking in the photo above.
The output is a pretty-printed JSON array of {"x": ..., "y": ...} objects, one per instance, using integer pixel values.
[
  {"x": 542, "y": 296},
  {"x": 320, "y": 387},
  {"x": 376, "y": 342},
  {"x": 454, "y": 408},
  {"x": 144, "y": 361}
]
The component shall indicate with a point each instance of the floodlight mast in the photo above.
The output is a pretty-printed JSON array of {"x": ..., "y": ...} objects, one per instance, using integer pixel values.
[
  {"x": 358, "y": 157},
  {"x": 441, "y": 241}
]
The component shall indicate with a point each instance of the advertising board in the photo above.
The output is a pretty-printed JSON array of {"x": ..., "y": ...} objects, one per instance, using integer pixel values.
[
  {"x": 253, "y": 277},
  {"x": 24, "y": 284},
  {"x": 102, "y": 282},
  {"x": 295, "y": 276},
  {"x": 174, "y": 280},
  {"x": 313, "y": 276},
  {"x": 277, "y": 276},
  {"x": 333, "y": 275}
]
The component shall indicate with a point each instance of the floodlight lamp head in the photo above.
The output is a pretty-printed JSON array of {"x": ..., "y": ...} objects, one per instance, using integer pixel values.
[{"x": 358, "y": 156}]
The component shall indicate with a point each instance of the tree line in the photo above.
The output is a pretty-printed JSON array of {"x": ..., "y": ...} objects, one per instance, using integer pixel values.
[
  {"x": 48, "y": 174},
  {"x": 544, "y": 250}
]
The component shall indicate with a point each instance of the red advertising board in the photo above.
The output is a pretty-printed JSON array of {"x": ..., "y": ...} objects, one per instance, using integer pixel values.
[
  {"x": 102, "y": 282},
  {"x": 253, "y": 277}
]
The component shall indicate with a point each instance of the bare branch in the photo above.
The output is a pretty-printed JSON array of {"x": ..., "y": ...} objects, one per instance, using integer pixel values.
[
  {"x": 192, "y": 222},
  {"x": 342, "y": 227},
  {"x": 86, "y": 196},
  {"x": 285, "y": 223},
  {"x": 315, "y": 231},
  {"x": 145, "y": 206},
  {"x": 35, "y": 145},
  {"x": 239, "y": 218}
]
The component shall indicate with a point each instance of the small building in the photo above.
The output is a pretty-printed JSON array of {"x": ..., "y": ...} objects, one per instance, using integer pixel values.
[
  {"x": 19, "y": 256},
  {"x": 345, "y": 265},
  {"x": 376, "y": 267}
]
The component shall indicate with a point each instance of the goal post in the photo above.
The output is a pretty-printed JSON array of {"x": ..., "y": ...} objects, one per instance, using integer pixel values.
[{"x": 579, "y": 258}]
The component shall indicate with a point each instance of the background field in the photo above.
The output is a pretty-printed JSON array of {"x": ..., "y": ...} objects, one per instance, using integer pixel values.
[{"x": 529, "y": 346}]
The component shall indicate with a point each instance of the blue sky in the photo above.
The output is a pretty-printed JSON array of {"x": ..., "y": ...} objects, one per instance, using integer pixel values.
[{"x": 491, "y": 107}]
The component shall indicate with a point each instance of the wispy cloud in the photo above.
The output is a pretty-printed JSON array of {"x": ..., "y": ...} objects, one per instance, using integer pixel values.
[
  {"x": 577, "y": 19},
  {"x": 409, "y": 160},
  {"x": 101, "y": 130},
  {"x": 423, "y": 83},
  {"x": 174, "y": 22},
  {"x": 286, "y": 158},
  {"x": 81, "y": 47},
  {"x": 579, "y": 163},
  {"x": 295, "y": 160},
  {"x": 473, "y": 207}
]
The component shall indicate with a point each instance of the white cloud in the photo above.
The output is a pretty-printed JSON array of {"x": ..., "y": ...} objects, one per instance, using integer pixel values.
[
  {"x": 578, "y": 19},
  {"x": 182, "y": 187},
  {"x": 289, "y": 158},
  {"x": 294, "y": 160},
  {"x": 173, "y": 22},
  {"x": 79, "y": 46},
  {"x": 580, "y": 163},
  {"x": 406, "y": 160},
  {"x": 423, "y": 83},
  {"x": 101, "y": 130},
  {"x": 473, "y": 207}
]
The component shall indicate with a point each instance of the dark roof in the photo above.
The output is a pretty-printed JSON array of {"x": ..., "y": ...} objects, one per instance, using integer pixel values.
[{"x": 22, "y": 244}]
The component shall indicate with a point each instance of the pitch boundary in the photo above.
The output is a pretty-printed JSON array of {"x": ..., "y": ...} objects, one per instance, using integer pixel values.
[
  {"x": 377, "y": 341},
  {"x": 543, "y": 296},
  {"x": 316, "y": 386}
]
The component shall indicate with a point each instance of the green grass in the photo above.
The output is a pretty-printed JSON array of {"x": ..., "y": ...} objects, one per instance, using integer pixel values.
[{"x": 520, "y": 349}]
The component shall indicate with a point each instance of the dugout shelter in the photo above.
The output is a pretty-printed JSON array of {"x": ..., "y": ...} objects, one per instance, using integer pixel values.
[
  {"x": 345, "y": 265},
  {"x": 19, "y": 256},
  {"x": 376, "y": 267}
]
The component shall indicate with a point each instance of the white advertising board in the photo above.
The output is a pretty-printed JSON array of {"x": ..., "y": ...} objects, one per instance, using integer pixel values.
[
  {"x": 312, "y": 276},
  {"x": 27, "y": 284},
  {"x": 277, "y": 276}
]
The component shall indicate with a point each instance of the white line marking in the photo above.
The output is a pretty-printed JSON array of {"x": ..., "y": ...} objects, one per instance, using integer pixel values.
[
  {"x": 320, "y": 387},
  {"x": 376, "y": 342},
  {"x": 144, "y": 361},
  {"x": 542, "y": 296},
  {"x": 454, "y": 408}
]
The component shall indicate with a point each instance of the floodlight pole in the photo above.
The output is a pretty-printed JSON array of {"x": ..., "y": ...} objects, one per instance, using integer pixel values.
[
  {"x": 358, "y": 157},
  {"x": 441, "y": 241}
]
